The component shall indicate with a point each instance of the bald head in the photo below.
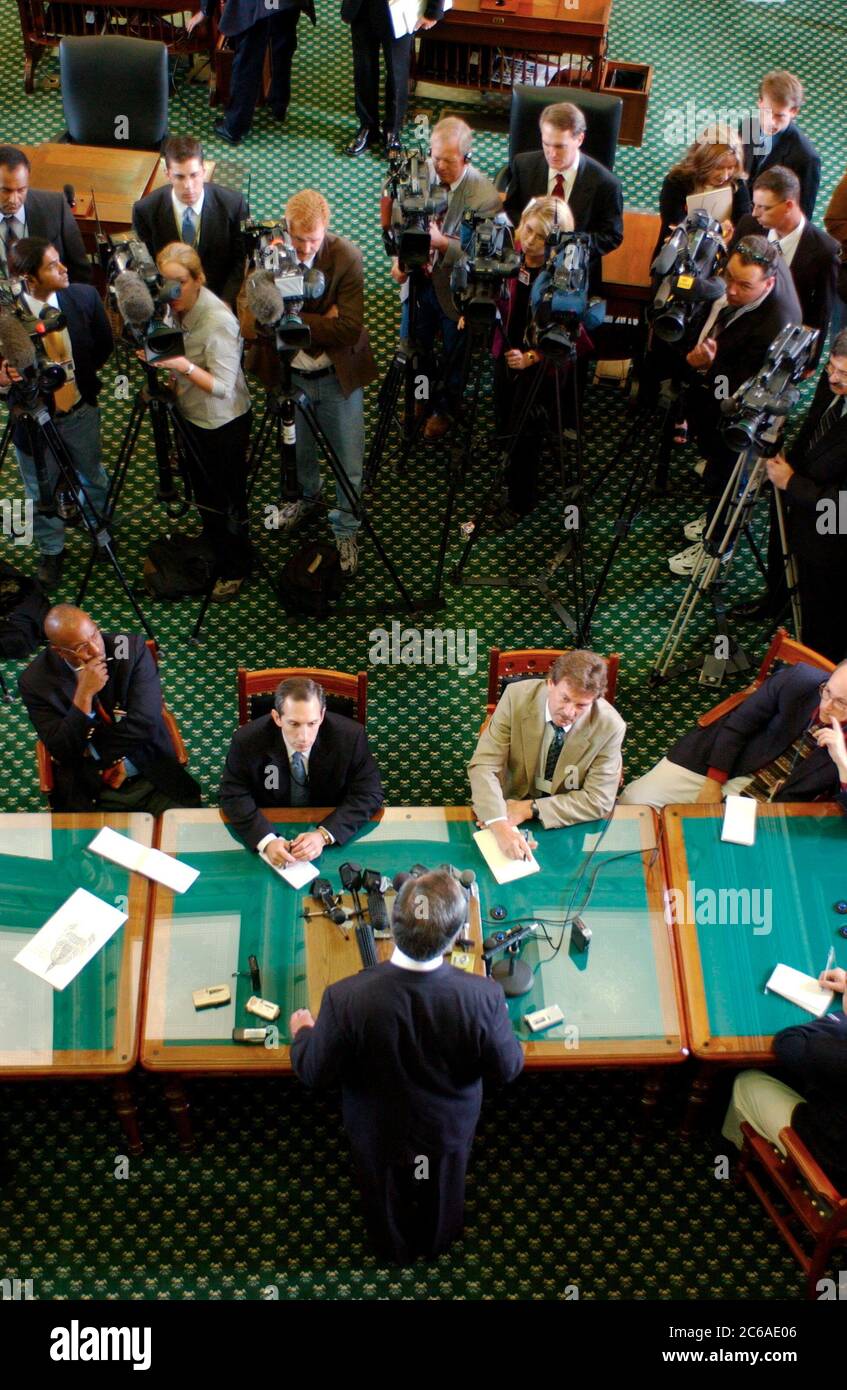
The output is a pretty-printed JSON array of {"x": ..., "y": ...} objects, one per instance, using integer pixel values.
[{"x": 73, "y": 633}]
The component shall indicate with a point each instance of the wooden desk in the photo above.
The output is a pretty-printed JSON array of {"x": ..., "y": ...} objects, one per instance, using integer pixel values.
[
  {"x": 119, "y": 178},
  {"x": 489, "y": 47},
  {"x": 626, "y": 271}
]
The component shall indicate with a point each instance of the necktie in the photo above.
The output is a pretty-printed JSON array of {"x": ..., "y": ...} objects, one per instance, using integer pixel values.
[
  {"x": 553, "y": 752},
  {"x": 721, "y": 321},
  {"x": 559, "y": 187},
  {"x": 831, "y": 416},
  {"x": 189, "y": 226},
  {"x": 299, "y": 781}
]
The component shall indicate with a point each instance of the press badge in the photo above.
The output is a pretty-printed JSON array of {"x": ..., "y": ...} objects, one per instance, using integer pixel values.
[{"x": 523, "y": 275}]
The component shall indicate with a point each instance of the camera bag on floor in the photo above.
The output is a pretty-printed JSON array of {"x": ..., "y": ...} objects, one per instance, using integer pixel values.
[
  {"x": 23, "y": 608},
  {"x": 178, "y": 566},
  {"x": 311, "y": 581}
]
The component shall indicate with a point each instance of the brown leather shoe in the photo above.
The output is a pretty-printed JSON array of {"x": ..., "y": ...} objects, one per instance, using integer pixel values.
[{"x": 436, "y": 427}]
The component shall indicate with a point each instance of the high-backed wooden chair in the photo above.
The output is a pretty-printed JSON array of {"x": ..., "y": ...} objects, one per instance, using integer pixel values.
[
  {"x": 46, "y": 778},
  {"x": 504, "y": 667},
  {"x": 345, "y": 694},
  {"x": 784, "y": 649},
  {"x": 811, "y": 1208}
]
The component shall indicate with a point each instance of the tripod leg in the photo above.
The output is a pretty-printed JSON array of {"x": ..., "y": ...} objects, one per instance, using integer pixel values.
[{"x": 790, "y": 567}]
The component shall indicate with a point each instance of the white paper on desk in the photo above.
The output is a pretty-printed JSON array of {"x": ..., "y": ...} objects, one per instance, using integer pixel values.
[
  {"x": 406, "y": 13},
  {"x": 298, "y": 875},
  {"x": 162, "y": 868},
  {"x": 70, "y": 939},
  {"x": 503, "y": 868},
  {"x": 739, "y": 822},
  {"x": 717, "y": 202},
  {"x": 800, "y": 989}
]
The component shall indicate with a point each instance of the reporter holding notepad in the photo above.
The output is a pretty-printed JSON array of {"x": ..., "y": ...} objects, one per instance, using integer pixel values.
[{"x": 714, "y": 161}]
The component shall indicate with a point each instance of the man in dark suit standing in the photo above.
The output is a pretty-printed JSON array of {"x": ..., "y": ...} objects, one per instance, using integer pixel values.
[
  {"x": 371, "y": 29},
  {"x": 96, "y": 703},
  {"x": 783, "y": 743},
  {"x": 203, "y": 215},
  {"x": 81, "y": 348},
  {"x": 810, "y": 254},
  {"x": 410, "y": 1042},
  {"x": 299, "y": 755},
  {"x": 250, "y": 25},
  {"x": 30, "y": 212},
  {"x": 560, "y": 170},
  {"x": 780, "y": 141}
]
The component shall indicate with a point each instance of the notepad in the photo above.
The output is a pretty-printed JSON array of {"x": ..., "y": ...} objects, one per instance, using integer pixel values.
[
  {"x": 717, "y": 202},
  {"x": 800, "y": 989},
  {"x": 153, "y": 863},
  {"x": 504, "y": 869},
  {"x": 739, "y": 822},
  {"x": 298, "y": 875},
  {"x": 70, "y": 938}
]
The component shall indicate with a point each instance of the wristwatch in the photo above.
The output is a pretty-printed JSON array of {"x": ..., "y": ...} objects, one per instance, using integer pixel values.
[
  {"x": 536, "y": 814},
  {"x": 325, "y": 835}
]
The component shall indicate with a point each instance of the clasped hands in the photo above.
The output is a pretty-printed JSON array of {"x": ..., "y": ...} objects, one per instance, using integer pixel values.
[{"x": 307, "y": 845}]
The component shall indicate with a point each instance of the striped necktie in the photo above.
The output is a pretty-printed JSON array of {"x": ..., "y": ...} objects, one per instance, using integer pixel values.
[
  {"x": 553, "y": 752},
  {"x": 830, "y": 417}
]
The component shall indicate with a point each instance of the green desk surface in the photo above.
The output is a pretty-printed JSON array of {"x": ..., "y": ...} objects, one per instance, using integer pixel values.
[
  {"x": 91, "y": 1026},
  {"x": 740, "y": 910},
  {"x": 620, "y": 1001}
]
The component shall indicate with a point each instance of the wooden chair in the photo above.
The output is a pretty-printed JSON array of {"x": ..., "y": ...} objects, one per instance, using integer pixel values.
[
  {"x": 811, "y": 1207},
  {"x": 46, "y": 779},
  {"x": 345, "y": 694},
  {"x": 532, "y": 661},
  {"x": 784, "y": 649}
]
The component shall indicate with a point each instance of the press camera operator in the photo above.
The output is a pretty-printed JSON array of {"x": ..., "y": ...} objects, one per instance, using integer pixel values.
[
  {"x": 214, "y": 404},
  {"x": 468, "y": 190},
  {"x": 81, "y": 347}
]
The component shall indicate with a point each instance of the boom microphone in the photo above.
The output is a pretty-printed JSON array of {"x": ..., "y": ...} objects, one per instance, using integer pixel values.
[
  {"x": 15, "y": 344},
  {"x": 134, "y": 300},
  {"x": 264, "y": 299}
]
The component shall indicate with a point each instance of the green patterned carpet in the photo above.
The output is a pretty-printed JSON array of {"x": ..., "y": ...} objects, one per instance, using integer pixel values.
[{"x": 271, "y": 1174}]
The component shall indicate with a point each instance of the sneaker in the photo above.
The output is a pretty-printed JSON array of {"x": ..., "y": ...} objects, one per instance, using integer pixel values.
[
  {"x": 226, "y": 589},
  {"x": 49, "y": 570},
  {"x": 687, "y": 561},
  {"x": 699, "y": 467},
  {"x": 290, "y": 515},
  {"x": 348, "y": 553},
  {"x": 693, "y": 530}
]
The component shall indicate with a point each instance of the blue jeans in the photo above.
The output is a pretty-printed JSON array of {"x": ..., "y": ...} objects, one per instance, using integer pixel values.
[
  {"x": 343, "y": 422},
  {"x": 430, "y": 318},
  {"x": 80, "y": 433}
]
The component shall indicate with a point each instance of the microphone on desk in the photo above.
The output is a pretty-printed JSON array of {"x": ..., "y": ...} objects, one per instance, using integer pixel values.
[{"x": 70, "y": 194}]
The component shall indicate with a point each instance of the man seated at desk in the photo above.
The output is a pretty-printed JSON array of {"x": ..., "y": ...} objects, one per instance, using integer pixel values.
[
  {"x": 96, "y": 703},
  {"x": 783, "y": 743},
  {"x": 551, "y": 753},
  {"x": 299, "y": 755}
]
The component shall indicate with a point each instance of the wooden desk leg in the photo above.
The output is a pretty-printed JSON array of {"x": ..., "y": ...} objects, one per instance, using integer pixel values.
[
  {"x": 180, "y": 1112},
  {"x": 650, "y": 1096},
  {"x": 698, "y": 1098},
  {"x": 127, "y": 1109}
]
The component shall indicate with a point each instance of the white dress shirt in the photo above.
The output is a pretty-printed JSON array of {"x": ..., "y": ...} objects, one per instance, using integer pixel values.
[
  {"x": 788, "y": 244},
  {"x": 568, "y": 178},
  {"x": 405, "y": 962},
  {"x": 180, "y": 210}
]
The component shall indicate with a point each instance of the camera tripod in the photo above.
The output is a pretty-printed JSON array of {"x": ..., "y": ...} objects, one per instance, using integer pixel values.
[
  {"x": 573, "y": 492},
  {"x": 731, "y": 519},
  {"x": 400, "y": 376}
]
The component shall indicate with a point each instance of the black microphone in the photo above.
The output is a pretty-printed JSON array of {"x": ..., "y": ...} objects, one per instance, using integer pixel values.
[
  {"x": 376, "y": 885},
  {"x": 70, "y": 194},
  {"x": 399, "y": 880}
]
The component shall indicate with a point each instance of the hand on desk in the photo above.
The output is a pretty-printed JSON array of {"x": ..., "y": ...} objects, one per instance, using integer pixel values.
[
  {"x": 301, "y": 1018},
  {"x": 278, "y": 852},
  {"x": 510, "y": 840},
  {"x": 836, "y": 979},
  {"x": 308, "y": 845}
]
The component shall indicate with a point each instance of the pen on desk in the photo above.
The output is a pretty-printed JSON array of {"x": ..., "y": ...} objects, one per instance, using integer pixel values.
[{"x": 830, "y": 960}]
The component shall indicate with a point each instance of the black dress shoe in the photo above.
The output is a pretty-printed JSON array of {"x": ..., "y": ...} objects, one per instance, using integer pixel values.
[
  {"x": 49, "y": 570},
  {"x": 224, "y": 134},
  {"x": 364, "y": 137},
  {"x": 281, "y": 114},
  {"x": 391, "y": 142}
]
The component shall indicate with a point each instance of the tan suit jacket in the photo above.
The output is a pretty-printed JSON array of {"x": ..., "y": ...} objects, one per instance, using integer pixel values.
[
  {"x": 505, "y": 765},
  {"x": 344, "y": 339}
]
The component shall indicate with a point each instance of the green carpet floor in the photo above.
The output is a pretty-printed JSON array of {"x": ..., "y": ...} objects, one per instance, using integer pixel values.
[{"x": 268, "y": 1200}]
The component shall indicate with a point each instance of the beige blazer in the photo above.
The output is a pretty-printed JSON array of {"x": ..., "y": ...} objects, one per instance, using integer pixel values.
[{"x": 586, "y": 777}]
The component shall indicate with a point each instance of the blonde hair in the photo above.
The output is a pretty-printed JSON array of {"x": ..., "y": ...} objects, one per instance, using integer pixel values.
[
  {"x": 308, "y": 209},
  {"x": 181, "y": 254},
  {"x": 453, "y": 130},
  {"x": 781, "y": 85},
  {"x": 548, "y": 213}
]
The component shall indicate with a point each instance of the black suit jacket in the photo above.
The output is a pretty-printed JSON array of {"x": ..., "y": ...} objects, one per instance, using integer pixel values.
[
  {"x": 47, "y": 688},
  {"x": 793, "y": 150},
  {"x": 239, "y": 15},
  {"x": 673, "y": 208},
  {"x": 820, "y": 476},
  {"x": 91, "y": 343},
  {"x": 596, "y": 200},
  {"x": 814, "y": 271},
  {"x": 815, "y": 1057},
  {"x": 357, "y": 9},
  {"x": 342, "y": 773},
  {"x": 410, "y": 1051},
  {"x": 761, "y": 728},
  {"x": 48, "y": 215},
  {"x": 743, "y": 343},
  {"x": 220, "y": 247}
]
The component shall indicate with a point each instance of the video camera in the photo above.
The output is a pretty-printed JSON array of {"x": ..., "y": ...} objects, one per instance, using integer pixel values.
[
  {"x": 143, "y": 297},
  {"x": 279, "y": 285},
  {"x": 410, "y": 199},
  {"x": 487, "y": 262},
  {"x": 762, "y": 401},
  {"x": 688, "y": 267},
  {"x": 22, "y": 341},
  {"x": 560, "y": 302}
]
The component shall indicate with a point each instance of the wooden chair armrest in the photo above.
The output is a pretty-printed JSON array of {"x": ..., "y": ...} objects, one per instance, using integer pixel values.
[
  {"x": 808, "y": 1168},
  {"x": 730, "y": 703},
  {"x": 45, "y": 768},
  {"x": 172, "y": 727}
]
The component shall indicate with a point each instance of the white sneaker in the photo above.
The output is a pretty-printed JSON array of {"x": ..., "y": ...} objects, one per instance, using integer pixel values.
[
  {"x": 348, "y": 553},
  {"x": 693, "y": 530},
  {"x": 687, "y": 561},
  {"x": 699, "y": 467}
]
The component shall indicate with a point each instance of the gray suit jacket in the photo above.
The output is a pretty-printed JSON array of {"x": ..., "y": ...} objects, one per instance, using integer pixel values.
[
  {"x": 476, "y": 193},
  {"x": 587, "y": 775}
]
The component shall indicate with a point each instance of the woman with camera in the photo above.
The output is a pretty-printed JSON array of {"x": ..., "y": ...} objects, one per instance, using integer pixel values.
[
  {"x": 513, "y": 355},
  {"x": 715, "y": 160},
  {"x": 214, "y": 407}
]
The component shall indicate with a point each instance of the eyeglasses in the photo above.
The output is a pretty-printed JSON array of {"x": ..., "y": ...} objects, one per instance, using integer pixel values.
[
  {"x": 839, "y": 706},
  {"x": 749, "y": 253},
  {"x": 80, "y": 646},
  {"x": 835, "y": 375}
]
